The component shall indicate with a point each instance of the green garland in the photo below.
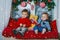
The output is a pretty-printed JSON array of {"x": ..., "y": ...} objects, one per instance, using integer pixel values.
[
  {"x": 50, "y": 5},
  {"x": 14, "y": 4}
]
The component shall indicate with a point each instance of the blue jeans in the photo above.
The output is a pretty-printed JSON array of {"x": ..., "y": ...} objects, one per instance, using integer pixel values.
[{"x": 39, "y": 28}]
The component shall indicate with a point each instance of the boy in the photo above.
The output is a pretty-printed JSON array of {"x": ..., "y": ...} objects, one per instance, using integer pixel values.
[
  {"x": 23, "y": 23},
  {"x": 42, "y": 24}
]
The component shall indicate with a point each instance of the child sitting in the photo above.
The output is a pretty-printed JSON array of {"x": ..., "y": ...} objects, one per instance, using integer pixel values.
[
  {"x": 23, "y": 23},
  {"x": 42, "y": 24}
]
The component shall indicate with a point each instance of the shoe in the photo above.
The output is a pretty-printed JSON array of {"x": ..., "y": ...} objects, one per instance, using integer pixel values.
[
  {"x": 21, "y": 33},
  {"x": 15, "y": 32}
]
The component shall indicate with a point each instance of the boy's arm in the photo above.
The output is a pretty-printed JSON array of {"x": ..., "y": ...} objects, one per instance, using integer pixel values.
[
  {"x": 39, "y": 20},
  {"x": 48, "y": 26}
]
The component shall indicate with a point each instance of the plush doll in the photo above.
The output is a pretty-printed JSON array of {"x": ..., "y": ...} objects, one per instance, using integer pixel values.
[
  {"x": 23, "y": 23},
  {"x": 42, "y": 24},
  {"x": 33, "y": 18}
]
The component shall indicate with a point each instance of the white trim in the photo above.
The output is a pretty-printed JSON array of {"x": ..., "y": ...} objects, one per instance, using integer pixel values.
[
  {"x": 58, "y": 15},
  {"x": 55, "y": 11}
]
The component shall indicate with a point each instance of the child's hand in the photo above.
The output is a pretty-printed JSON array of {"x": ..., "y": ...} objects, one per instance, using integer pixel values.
[
  {"x": 21, "y": 24},
  {"x": 30, "y": 28},
  {"x": 38, "y": 25},
  {"x": 33, "y": 19},
  {"x": 24, "y": 25}
]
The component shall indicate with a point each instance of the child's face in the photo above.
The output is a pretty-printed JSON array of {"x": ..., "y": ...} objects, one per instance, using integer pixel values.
[
  {"x": 44, "y": 17},
  {"x": 24, "y": 14}
]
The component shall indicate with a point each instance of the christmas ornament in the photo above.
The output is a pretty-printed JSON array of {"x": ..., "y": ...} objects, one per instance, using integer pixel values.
[
  {"x": 49, "y": 0},
  {"x": 49, "y": 3},
  {"x": 42, "y": 4},
  {"x": 14, "y": 1},
  {"x": 23, "y": 4}
]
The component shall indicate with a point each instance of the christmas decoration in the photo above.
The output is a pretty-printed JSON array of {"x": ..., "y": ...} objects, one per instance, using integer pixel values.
[
  {"x": 42, "y": 4},
  {"x": 45, "y": 6},
  {"x": 49, "y": 3},
  {"x": 23, "y": 4},
  {"x": 7, "y": 32},
  {"x": 49, "y": 0},
  {"x": 16, "y": 2}
]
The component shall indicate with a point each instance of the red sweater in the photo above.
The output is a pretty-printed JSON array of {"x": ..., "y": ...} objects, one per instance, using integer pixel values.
[{"x": 25, "y": 21}]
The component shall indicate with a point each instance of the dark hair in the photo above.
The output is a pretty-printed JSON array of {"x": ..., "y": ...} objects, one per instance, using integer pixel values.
[
  {"x": 25, "y": 10},
  {"x": 49, "y": 18},
  {"x": 28, "y": 12},
  {"x": 45, "y": 13}
]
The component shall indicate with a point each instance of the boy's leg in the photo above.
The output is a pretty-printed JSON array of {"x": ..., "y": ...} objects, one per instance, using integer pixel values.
[
  {"x": 36, "y": 29},
  {"x": 23, "y": 31},
  {"x": 16, "y": 30},
  {"x": 44, "y": 30}
]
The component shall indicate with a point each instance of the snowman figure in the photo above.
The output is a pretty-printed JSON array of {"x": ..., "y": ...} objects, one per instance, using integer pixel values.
[{"x": 42, "y": 8}]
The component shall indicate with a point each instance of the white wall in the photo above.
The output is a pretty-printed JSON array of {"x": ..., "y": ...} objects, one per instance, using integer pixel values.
[
  {"x": 55, "y": 10},
  {"x": 5, "y": 6},
  {"x": 58, "y": 19},
  {"x": 57, "y": 13}
]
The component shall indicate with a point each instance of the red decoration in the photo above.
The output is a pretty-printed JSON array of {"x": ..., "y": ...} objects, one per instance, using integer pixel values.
[
  {"x": 23, "y": 4},
  {"x": 49, "y": 0},
  {"x": 42, "y": 4},
  {"x": 14, "y": 1},
  {"x": 7, "y": 32}
]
